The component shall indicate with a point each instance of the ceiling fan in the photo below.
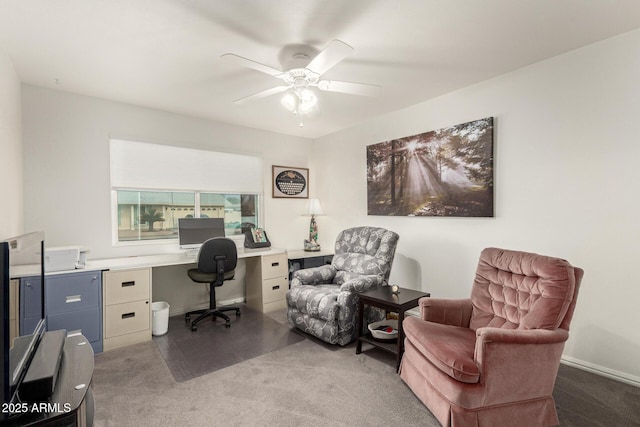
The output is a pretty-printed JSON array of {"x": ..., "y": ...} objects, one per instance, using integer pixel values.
[{"x": 305, "y": 73}]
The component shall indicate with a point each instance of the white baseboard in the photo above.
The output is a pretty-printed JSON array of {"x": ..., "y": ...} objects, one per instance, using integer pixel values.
[
  {"x": 175, "y": 311},
  {"x": 601, "y": 370}
]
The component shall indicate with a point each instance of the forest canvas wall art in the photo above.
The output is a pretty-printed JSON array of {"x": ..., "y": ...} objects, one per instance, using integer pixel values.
[{"x": 445, "y": 172}]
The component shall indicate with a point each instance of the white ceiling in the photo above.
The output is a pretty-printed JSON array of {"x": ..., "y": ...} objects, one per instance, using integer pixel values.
[{"x": 165, "y": 54}]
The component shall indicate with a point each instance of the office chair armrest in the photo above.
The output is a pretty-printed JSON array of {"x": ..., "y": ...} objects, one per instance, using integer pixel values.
[
  {"x": 313, "y": 276},
  {"x": 362, "y": 283}
]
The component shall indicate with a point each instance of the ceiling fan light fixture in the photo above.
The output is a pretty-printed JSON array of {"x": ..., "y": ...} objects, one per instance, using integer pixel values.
[
  {"x": 290, "y": 102},
  {"x": 300, "y": 74},
  {"x": 308, "y": 101},
  {"x": 300, "y": 101}
]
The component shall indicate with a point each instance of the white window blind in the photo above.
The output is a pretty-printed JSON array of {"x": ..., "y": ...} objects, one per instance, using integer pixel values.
[{"x": 152, "y": 166}]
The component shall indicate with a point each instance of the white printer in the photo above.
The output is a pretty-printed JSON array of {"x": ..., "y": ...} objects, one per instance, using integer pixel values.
[{"x": 64, "y": 258}]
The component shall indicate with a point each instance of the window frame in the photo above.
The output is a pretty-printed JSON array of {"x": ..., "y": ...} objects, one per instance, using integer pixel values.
[{"x": 259, "y": 203}]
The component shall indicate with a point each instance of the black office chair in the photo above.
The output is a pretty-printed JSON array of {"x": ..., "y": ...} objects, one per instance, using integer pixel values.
[{"x": 217, "y": 261}]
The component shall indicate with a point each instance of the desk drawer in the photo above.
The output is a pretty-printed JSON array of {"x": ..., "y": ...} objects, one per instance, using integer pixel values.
[
  {"x": 125, "y": 286},
  {"x": 273, "y": 306},
  {"x": 274, "y": 289},
  {"x": 126, "y": 318},
  {"x": 275, "y": 266},
  {"x": 86, "y": 322},
  {"x": 71, "y": 292}
]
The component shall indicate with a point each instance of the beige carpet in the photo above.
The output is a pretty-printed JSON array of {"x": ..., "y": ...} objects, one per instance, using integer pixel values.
[
  {"x": 310, "y": 384},
  {"x": 303, "y": 384}
]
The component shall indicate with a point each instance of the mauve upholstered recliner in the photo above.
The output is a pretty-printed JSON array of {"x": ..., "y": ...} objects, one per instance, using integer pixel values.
[
  {"x": 323, "y": 300},
  {"x": 492, "y": 359}
]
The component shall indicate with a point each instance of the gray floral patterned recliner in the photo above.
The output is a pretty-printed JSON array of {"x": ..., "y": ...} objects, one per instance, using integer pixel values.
[{"x": 323, "y": 300}]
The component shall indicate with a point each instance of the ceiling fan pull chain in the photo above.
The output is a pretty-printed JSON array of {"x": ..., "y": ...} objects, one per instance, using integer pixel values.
[{"x": 297, "y": 112}]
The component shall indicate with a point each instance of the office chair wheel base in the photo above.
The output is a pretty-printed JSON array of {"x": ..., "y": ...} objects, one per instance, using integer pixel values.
[
  {"x": 227, "y": 325},
  {"x": 187, "y": 318},
  {"x": 194, "y": 328},
  {"x": 238, "y": 313}
]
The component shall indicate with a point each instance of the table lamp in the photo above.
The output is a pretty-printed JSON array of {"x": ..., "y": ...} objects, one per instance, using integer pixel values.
[{"x": 313, "y": 208}]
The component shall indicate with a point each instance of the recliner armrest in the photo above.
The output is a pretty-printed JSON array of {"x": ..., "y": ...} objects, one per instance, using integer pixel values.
[
  {"x": 362, "y": 283},
  {"x": 313, "y": 276},
  {"x": 454, "y": 312},
  {"x": 520, "y": 336},
  {"x": 505, "y": 355}
]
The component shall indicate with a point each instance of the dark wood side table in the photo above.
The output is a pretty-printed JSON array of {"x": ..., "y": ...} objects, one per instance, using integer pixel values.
[
  {"x": 383, "y": 298},
  {"x": 71, "y": 404}
]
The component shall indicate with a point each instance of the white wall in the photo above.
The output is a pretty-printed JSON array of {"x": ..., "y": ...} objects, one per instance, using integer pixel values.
[
  {"x": 66, "y": 183},
  {"x": 66, "y": 176},
  {"x": 566, "y": 185},
  {"x": 566, "y": 152},
  {"x": 10, "y": 151}
]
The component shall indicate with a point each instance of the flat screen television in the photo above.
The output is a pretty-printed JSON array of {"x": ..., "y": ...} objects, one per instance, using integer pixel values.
[
  {"x": 193, "y": 232},
  {"x": 19, "y": 257}
]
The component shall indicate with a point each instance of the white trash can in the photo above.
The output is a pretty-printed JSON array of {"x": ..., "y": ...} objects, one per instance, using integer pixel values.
[{"x": 160, "y": 318}]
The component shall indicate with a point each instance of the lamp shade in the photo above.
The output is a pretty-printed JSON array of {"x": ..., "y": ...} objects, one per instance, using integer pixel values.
[{"x": 313, "y": 208}]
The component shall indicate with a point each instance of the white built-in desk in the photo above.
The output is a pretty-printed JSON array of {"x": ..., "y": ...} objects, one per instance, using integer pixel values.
[
  {"x": 302, "y": 254},
  {"x": 168, "y": 259},
  {"x": 127, "y": 289},
  {"x": 124, "y": 286}
]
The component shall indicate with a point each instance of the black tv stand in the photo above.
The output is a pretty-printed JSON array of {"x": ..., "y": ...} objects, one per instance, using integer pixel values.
[
  {"x": 40, "y": 381},
  {"x": 71, "y": 401}
]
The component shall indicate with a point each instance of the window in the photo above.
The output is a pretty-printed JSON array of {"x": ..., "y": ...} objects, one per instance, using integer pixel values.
[
  {"x": 153, "y": 215},
  {"x": 203, "y": 184},
  {"x": 238, "y": 210}
]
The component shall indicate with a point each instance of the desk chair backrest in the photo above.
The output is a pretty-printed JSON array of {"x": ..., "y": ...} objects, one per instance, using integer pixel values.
[{"x": 215, "y": 253}]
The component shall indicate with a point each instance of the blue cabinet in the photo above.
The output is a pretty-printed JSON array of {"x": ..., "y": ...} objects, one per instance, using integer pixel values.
[
  {"x": 30, "y": 304},
  {"x": 74, "y": 302}
]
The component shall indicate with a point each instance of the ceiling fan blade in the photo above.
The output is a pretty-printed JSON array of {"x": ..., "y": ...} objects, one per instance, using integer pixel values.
[
  {"x": 348, "y": 87},
  {"x": 251, "y": 64},
  {"x": 335, "y": 52},
  {"x": 261, "y": 94}
]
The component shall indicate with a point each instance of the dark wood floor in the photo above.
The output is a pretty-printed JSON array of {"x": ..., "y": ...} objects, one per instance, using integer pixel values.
[
  {"x": 189, "y": 354},
  {"x": 587, "y": 399}
]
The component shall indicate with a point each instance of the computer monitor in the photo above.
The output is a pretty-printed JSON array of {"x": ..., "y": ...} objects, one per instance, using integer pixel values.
[{"x": 193, "y": 232}]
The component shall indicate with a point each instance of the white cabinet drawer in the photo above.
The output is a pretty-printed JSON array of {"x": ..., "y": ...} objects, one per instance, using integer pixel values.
[
  {"x": 274, "y": 289},
  {"x": 126, "y": 285},
  {"x": 275, "y": 266},
  {"x": 273, "y": 306},
  {"x": 126, "y": 318}
]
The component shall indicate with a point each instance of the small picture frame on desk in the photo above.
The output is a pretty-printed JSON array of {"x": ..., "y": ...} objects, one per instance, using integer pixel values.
[
  {"x": 290, "y": 182},
  {"x": 256, "y": 238}
]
